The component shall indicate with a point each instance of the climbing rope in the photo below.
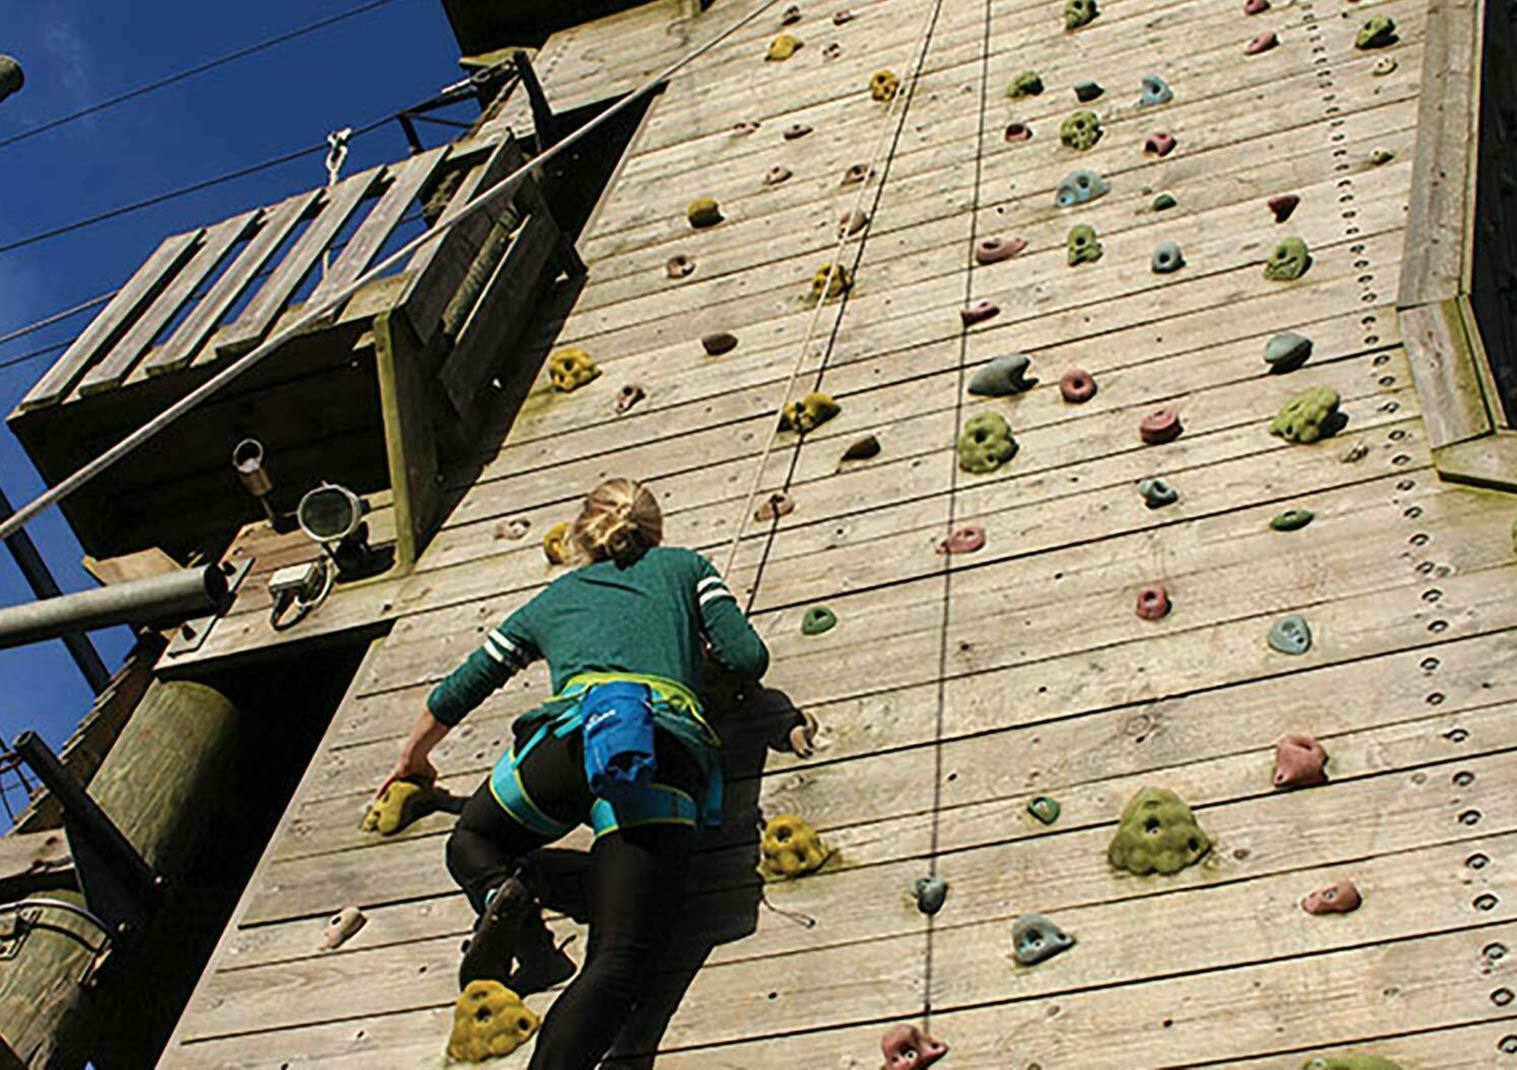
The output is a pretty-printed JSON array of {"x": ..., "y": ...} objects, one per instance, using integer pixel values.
[
  {"x": 832, "y": 268},
  {"x": 321, "y": 309}
]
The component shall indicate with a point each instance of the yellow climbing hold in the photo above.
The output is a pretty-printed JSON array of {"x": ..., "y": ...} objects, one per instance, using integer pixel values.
[
  {"x": 791, "y": 847},
  {"x": 809, "y": 413},
  {"x": 397, "y": 806},
  {"x": 556, "y": 543},
  {"x": 489, "y": 1020},
  {"x": 571, "y": 368},
  {"x": 833, "y": 282},
  {"x": 703, "y": 212},
  {"x": 883, "y": 85},
  {"x": 783, "y": 47}
]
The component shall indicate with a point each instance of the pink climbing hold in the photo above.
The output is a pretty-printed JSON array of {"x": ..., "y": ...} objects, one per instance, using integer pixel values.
[
  {"x": 908, "y": 1048},
  {"x": 1153, "y": 602},
  {"x": 994, "y": 250},
  {"x": 840, "y": 17},
  {"x": 1077, "y": 386},
  {"x": 796, "y": 130},
  {"x": 1300, "y": 762},
  {"x": 1255, "y": 7},
  {"x": 979, "y": 312},
  {"x": 1160, "y": 426},
  {"x": 1262, "y": 43},
  {"x": 1338, "y": 898},
  {"x": 1017, "y": 132},
  {"x": 747, "y": 126},
  {"x": 775, "y": 175},
  {"x": 628, "y": 396},
  {"x": 678, "y": 266},
  {"x": 1283, "y": 205},
  {"x": 965, "y": 540},
  {"x": 832, "y": 51},
  {"x": 857, "y": 173},
  {"x": 779, "y": 504},
  {"x": 1160, "y": 144}
]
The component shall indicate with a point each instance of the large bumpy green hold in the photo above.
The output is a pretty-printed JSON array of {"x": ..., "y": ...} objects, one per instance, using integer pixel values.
[
  {"x": 1349, "y": 1062},
  {"x": 1079, "y": 13},
  {"x": 986, "y": 443},
  {"x": 1157, "y": 834},
  {"x": 1378, "y": 31},
  {"x": 1081, "y": 130},
  {"x": 1308, "y": 416},
  {"x": 1288, "y": 261}
]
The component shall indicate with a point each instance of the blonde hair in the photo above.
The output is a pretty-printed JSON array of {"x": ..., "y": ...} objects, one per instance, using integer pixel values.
[{"x": 620, "y": 520}]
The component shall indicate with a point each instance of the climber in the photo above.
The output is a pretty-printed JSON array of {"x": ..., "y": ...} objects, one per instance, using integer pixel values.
[{"x": 623, "y": 635}]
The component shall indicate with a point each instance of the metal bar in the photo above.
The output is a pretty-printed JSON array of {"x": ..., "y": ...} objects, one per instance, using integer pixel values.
[{"x": 157, "y": 600}]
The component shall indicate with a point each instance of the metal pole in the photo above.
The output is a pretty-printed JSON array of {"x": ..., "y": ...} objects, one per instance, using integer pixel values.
[
  {"x": 163, "y": 600},
  {"x": 41, "y": 581}
]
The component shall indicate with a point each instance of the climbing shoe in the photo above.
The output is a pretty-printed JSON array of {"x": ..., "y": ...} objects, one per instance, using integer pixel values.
[{"x": 488, "y": 953}]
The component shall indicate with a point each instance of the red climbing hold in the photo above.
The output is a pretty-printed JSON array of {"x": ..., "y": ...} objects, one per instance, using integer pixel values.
[
  {"x": 994, "y": 250},
  {"x": 1300, "y": 762},
  {"x": 1255, "y": 7},
  {"x": 908, "y": 1048},
  {"x": 778, "y": 505},
  {"x": 965, "y": 540},
  {"x": 1160, "y": 144},
  {"x": 1077, "y": 385},
  {"x": 1262, "y": 43},
  {"x": 1017, "y": 132},
  {"x": 1283, "y": 205},
  {"x": 1339, "y": 898},
  {"x": 720, "y": 342},
  {"x": 796, "y": 130},
  {"x": 1153, "y": 602},
  {"x": 1160, "y": 426},
  {"x": 775, "y": 175},
  {"x": 678, "y": 266},
  {"x": 978, "y": 312}
]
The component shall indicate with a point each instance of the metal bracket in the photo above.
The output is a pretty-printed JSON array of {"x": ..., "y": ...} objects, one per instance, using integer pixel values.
[
  {"x": 192, "y": 634},
  {"x": 20, "y": 919}
]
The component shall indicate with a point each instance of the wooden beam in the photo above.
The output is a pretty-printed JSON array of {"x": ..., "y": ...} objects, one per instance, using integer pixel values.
[
  {"x": 1444, "y": 371},
  {"x": 31, "y": 861},
  {"x": 405, "y": 389}
]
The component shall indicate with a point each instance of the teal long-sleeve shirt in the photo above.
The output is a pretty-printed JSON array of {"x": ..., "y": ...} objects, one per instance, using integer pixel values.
[{"x": 647, "y": 617}]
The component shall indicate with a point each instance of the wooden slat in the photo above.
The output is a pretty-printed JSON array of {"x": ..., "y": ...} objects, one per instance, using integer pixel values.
[
  {"x": 1444, "y": 370},
  {"x": 149, "y": 281}
]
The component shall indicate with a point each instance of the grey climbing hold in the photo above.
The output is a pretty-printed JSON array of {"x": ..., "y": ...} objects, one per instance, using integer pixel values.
[
  {"x": 1035, "y": 939},
  {"x": 1079, "y": 13},
  {"x": 1155, "y": 91},
  {"x": 1081, "y": 130},
  {"x": 1292, "y": 519},
  {"x": 1045, "y": 808},
  {"x": 1080, "y": 187},
  {"x": 1087, "y": 90},
  {"x": 718, "y": 343},
  {"x": 1083, "y": 247},
  {"x": 1291, "y": 635},
  {"x": 12, "y": 77},
  {"x": 1157, "y": 493},
  {"x": 1163, "y": 202},
  {"x": 1287, "y": 351},
  {"x": 1003, "y": 376},
  {"x": 1383, "y": 66},
  {"x": 852, "y": 221},
  {"x": 1167, "y": 258},
  {"x": 931, "y": 893},
  {"x": 1288, "y": 261},
  {"x": 818, "y": 619},
  {"x": 861, "y": 449}
]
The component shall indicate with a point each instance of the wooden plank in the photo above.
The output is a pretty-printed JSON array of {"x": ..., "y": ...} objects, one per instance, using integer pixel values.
[
  {"x": 1490, "y": 461},
  {"x": 1443, "y": 367},
  {"x": 32, "y": 861},
  {"x": 104, "y": 330},
  {"x": 406, "y": 404}
]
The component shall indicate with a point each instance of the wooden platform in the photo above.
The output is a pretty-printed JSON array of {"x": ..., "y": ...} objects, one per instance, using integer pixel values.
[{"x": 954, "y": 689}]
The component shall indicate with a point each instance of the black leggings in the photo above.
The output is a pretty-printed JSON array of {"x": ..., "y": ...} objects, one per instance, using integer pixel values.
[{"x": 636, "y": 876}]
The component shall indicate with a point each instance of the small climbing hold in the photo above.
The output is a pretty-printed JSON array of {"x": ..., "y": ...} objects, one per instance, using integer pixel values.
[
  {"x": 1077, "y": 386},
  {"x": 994, "y": 250},
  {"x": 791, "y": 847},
  {"x": 831, "y": 51},
  {"x": 402, "y": 802},
  {"x": 1160, "y": 426},
  {"x": 1300, "y": 762},
  {"x": 1016, "y": 132},
  {"x": 556, "y": 544},
  {"x": 783, "y": 47},
  {"x": 1083, "y": 248},
  {"x": 795, "y": 130},
  {"x": 1308, "y": 416},
  {"x": 1292, "y": 519},
  {"x": 1356, "y": 454},
  {"x": 883, "y": 85},
  {"x": 12, "y": 77},
  {"x": 852, "y": 221},
  {"x": 986, "y": 443},
  {"x": 678, "y": 266},
  {"x": 703, "y": 212},
  {"x": 746, "y": 126},
  {"x": 1255, "y": 7},
  {"x": 1381, "y": 157},
  {"x": 775, "y": 506},
  {"x": 862, "y": 449},
  {"x": 1163, "y": 202},
  {"x": 1160, "y": 143},
  {"x": 1157, "y": 834},
  {"x": 830, "y": 281},
  {"x": 930, "y": 893},
  {"x": 1167, "y": 258},
  {"x": 571, "y": 368},
  {"x": 1079, "y": 13},
  {"x": 341, "y": 926},
  {"x": 1081, "y": 130},
  {"x": 489, "y": 1020},
  {"x": 1155, "y": 91},
  {"x": 964, "y": 540},
  {"x": 1290, "y": 635},
  {"x": 1349, "y": 1062},
  {"x": 1087, "y": 90},
  {"x": 1080, "y": 187},
  {"x": 1283, "y": 205},
  {"x": 1288, "y": 261},
  {"x": 840, "y": 17},
  {"x": 1026, "y": 84},
  {"x": 718, "y": 343},
  {"x": 791, "y": 15},
  {"x": 1045, "y": 808},
  {"x": 978, "y": 312},
  {"x": 515, "y": 527},
  {"x": 1378, "y": 31},
  {"x": 1383, "y": 66},
  {"x": 1153, "y": 602},
  {"x": 1287, "y": 351},
  {"x": 629, "y": 395},
  {"x": 1157, "y": 493},
  {"x": 776, "y": 174},
  {"x": 1035, "y": 939},
  {"x": 1262, "y": 43},
  {"x": 908, "y": 1048},
  {"x": 818, "y": 619},
  {"x": 856, "y": 173},
  {"x": 1003, "y": 376},
  {"x": 808, "y": 413},
  {"x": 1341, "y": 897}
]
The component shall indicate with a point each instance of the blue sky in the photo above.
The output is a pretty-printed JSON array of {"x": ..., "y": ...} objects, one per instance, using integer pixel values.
[{"x": 76, "y": 53}]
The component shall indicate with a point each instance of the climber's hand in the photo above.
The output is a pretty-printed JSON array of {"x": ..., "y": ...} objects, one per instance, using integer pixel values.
[{"x": 409, "y": 767}]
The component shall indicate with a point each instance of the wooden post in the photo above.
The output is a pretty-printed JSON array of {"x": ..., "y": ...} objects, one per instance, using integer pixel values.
[{"x": 405, "y": 393}]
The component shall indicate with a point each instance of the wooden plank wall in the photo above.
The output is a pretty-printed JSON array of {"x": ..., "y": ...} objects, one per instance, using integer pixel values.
[{"x": 954, "y": 689}]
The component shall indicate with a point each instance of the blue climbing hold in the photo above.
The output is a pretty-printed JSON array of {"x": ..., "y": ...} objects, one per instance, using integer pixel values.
[
  {"x": 1167, "y": 258},
  {"x": 1157, "y": 493},
  {"x": 1079, "y": 187},
  {"x": 1035, "y": 939},
  {"x": 1287, "y": 351},
  {"x": 931, "y": 893},
  {"x": 1155, "y": 91},
  {"x": 1291, "y": 635},
  {"x": 1003, "y": 376}
]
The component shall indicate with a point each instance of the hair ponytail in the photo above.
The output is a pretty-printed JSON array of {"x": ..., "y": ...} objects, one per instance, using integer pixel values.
[{"x": 621, "y": 519}]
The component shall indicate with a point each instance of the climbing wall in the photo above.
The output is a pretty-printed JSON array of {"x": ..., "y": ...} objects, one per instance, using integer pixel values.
[{"x": 960, "y": 694}]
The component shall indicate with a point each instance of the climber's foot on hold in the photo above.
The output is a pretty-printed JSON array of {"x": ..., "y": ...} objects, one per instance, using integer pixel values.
[
  {"x": 488, "y": 953},
  {"x": 541, "y": 962}
]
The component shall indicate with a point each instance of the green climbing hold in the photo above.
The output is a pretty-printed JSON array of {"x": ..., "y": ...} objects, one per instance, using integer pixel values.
[
  {"x": 818, "y": 619},
  {"x": 1003, "y": 376},
  {"x": 1157, "y": 834},
  {"x": 1288, "y": 261},
  {"x": 1349, "y": 1062},
  {"x": 1308, "y": 416},
  {"x": 12, "y": 77},
  {"x": 1293, "y": 520},
  {"x": 809, "y": 412},
  {"x": 1026, "y": 84},
  {"x": 1381, "y": 157},
  {"x": 1044, "y": 808},
  {"x": 1084, "y": 248},
  {"x": 1164, "y": 202},
  {"x": 1287, "y": 351},
  {"x": 1290, "y": 635},
  {"x": 703, "y": 212},
  {"x": 1378, "y": 31},
  {"x": 986, "y": 443},
  {"x": 1081, "y": 130},
  {"x": 1157, "y": 493},
  {"x": 1079, "y": 13}
]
